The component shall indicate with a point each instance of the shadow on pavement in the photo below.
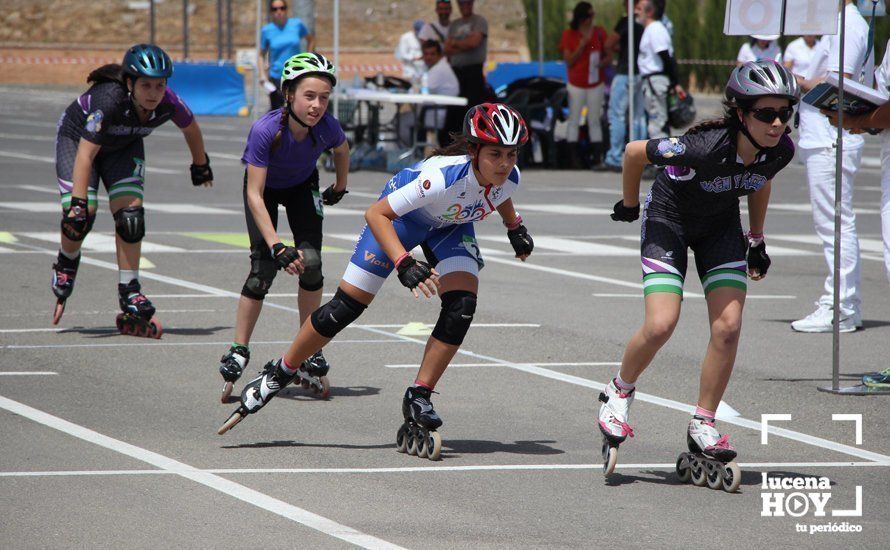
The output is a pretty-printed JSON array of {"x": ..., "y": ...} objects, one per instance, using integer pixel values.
[{"x": 455, "y": 447}]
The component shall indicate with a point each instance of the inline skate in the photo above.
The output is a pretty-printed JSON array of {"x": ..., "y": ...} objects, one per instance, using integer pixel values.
[
  {"x": 710, "y": 460},
  {"x": 138, "y": 317},
  {"x": 418, "y": 435},
  {"x": 258, "y": 392},
  {"x": 613, "y": 423},
  {"x": 64, "y": 273},
  {"x": 312, "y": 375},
  {"x": 231, "y": 365}
]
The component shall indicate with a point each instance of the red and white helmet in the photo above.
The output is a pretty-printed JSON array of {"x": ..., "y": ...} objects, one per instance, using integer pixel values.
[{"x": 495, "y": 124}]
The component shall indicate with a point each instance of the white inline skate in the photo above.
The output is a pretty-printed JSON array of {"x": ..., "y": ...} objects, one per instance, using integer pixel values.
[
  {"x": 613, "y": 423},
  {"x": 710, "y": 460}
]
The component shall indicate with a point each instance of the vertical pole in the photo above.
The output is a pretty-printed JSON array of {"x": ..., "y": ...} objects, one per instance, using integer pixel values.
[
  {"x": 256, "y": 69},
  {"x": 230, "y": 54},
  {"x": 631, "y": 58},
  {"x": 836, "y": 340},
  {"x": 151, "y": 21},
  {"x": 185, "y": 29},
  {"x": 540, "y": 37},
  {"x": 219, "y": 30},
  {"x": 336, "y": 51}
]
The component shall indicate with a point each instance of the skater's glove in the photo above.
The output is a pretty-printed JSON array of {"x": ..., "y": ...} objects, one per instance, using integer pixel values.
[
  {"x": 286, "y": 257},
  {"x": 330, "y": 196},
  {"x": 758, "y": 259},
  {"x": 621, "y": 213},
  {"x": 76, "y": 219},
  {"x": 201, "y": 173},
  {"x": 520, "y": 240},
  {"x": 413, "y": 272}
]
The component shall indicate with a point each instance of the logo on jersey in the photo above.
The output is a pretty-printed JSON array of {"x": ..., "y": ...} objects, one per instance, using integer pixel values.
[
  {"x": 495, "y": 193},
  {"x": 94, "y": 121},
  {"x": 372, "y": 258},
  {"x": 465, "y": 213},
  {"x": 426, "y": 184},
  {"x": 669, "y": 148},
  {"x": 746, "y": 181}
]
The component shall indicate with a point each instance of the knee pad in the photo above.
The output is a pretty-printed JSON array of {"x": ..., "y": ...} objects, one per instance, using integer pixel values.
[
  {"x": 91, "y": 218},
  {"x": 337, "y": 314},
  {"x": 458, "y": 307},
  {"x": 129, "y": 223},
  {"x": 311, "y": 278},
  {"x": 259, "y": 281}
]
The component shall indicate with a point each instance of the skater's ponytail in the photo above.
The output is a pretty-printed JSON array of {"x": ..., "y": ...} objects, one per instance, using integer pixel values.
[
  {"x": 730, "y": 118},
  {"x": 282, "y": 124},
  {"x": 458, "y": 146},
  {"x": 111, "y": 72}
]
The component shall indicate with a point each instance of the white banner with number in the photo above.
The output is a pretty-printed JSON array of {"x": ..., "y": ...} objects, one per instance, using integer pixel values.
[
  {"x": 747, "y": 17},
  {"x": 811, "y": 17}
]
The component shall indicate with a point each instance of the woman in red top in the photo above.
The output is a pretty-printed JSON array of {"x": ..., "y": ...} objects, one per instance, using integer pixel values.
[{"x": 583, "y": 49}]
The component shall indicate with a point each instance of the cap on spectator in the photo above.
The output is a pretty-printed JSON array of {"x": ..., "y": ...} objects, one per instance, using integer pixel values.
[
  {"x": 769, "y": 37},
  {"x": 417, "y": 25},
  {"x": 443, "y": 2}
]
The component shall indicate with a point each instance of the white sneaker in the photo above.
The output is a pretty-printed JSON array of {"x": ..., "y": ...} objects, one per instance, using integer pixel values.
[{"x": 821, "y": 321}]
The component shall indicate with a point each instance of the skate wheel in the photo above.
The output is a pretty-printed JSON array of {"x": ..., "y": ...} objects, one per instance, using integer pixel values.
[
  {"x": 325, "y": 390},
  {"x": 59, "y": 310},
  {"x": 402, "y": 437},
  {"x": 610, "y": 459},
  {"x": 305, "y": 383},
  {"x": 155, "y": 330},
  {"x": 421, "y": 442},
  {"x": 732, "y": 477},
  {"x": 227, "y": 391},
  {"x": 413, "y": 442},
  {"x": 432, "y": 445},
  {"x": 715, "y": 479},
  {"x": 119, "y": 322},
  {"x": 684, "y": 472},
  {"x": 231, "y": 422},
  {"x": 699, "y": 475}
]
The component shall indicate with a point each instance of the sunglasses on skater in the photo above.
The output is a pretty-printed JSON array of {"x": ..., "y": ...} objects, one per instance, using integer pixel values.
[{"x": 768, "y": 114}]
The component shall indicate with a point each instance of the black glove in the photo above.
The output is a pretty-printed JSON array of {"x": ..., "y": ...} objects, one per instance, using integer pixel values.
[
  {"x": 201, "y": 173},
  {"x": 621, "y": 213},
  {"x": 413, "y": 272},
  {"x": 331, "y": 197},
  {"x": 758, "y": 259},
  {"x": 521, "y": 241},
  {"x": 284, "y": 255},
  {"x": 75, "y": 227}
]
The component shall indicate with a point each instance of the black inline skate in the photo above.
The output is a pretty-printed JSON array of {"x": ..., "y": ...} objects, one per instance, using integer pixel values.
[
  {"x": 258, "y": 392},
  {"x": 710, "y": 460},
  {"x": 418, "y": 435},
  {"x": 231, "y": 365},
  {"x": 64, "y": 272},
  {"x": 312, "y": 375},
  {"x": 138, "y": 317}
]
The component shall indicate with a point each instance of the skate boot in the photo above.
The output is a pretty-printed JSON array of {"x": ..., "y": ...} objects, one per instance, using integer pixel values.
[
  {"x": 877, "y": 379},
  {"x": 258, "y": 392},
  {"x": 710, "y": 458},
  {"x": 231, "y": 365},
  {"x": 418, "y": 435},
  {"x": 64, "y": 272},
  {"x": 138, "y": 317},
  {"x": 613, "y": 423},
  {"x": 311, "y": 375}
]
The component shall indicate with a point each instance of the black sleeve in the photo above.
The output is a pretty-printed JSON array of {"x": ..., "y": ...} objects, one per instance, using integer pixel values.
[
  {"x": 670, "y": 67},
  {"x": 686, "y": 150}
]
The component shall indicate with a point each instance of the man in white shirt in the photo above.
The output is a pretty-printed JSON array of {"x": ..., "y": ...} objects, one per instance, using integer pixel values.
[
  {"x": 440, "y": 80},
  {"x": 437, "y": 30},
  {"x": 816, "y": 143},
  {"x": 799, "y": 52},
  {"x": 408, "y": 52},
  {"x": 761, "y": 46},
  {"x": 657, "y": 67}
]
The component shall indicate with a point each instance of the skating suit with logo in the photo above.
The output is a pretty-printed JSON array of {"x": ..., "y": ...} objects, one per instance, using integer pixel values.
[
  {"x": 704, "y": 176},
  {"x": 105, "y": 115},
  {"x": 443, "y": 191}
]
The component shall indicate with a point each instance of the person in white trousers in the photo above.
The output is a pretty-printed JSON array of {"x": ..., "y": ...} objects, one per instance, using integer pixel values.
[{"x": 818, "y": 150}]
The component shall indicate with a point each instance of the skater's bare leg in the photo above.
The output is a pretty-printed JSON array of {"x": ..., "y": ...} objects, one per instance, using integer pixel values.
[
  {"x": 725, "y": 307},
  {"x": 246, "y": 318},
  {"x": 307, "y": 302},
  {"x": 661, "y": 316},
  {"x": 308, "y": 340},
  {"x": 438, "y": 354}
]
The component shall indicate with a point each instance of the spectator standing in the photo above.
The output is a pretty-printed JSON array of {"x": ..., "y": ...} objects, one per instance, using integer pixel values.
[
  {"x": 817, "y": 147},
  {"x": 583, "y": 49},
  {"x": 408, "y": 52},
  {"x": 658, "y": 69},
  {"x": 799, "y": 53},
  {"x": 761, "y": 47},
  {"x": 467, "y": 48},
  {"x": 280, "y": 40},
  {"x": 441, "y": 80},
  {"x": 622, "y": 91},
  {"x": 437, "y": 30}
]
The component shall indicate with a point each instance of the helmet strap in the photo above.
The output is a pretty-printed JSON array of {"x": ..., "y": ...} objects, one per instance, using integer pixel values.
[
  {"x": 744, "y": 129},
  {"x": 294, "y": 116}
]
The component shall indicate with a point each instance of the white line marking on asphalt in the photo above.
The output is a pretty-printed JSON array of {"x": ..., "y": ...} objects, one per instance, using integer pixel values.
[
  {"x": 25, "y": 156},
  {"x": 35, "y": 373},
  {"x": 554, "y": 364},
  {"x": 567, "y": 209},
  {"x": 99, "y": 242},
  {"x": 225, "y": 486},
  {"x": 668, "y": 403},
  {"x": 686, "y": 295},
  {"x": 112, "y": 330},
  {"x": 572, "y": 246},
  {"x": 425, "y": 469}
]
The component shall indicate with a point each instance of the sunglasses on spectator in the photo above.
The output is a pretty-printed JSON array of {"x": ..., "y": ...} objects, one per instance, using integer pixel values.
[
  {"x": 768, "y": 114},
  {"x": 278, "y": 8}
]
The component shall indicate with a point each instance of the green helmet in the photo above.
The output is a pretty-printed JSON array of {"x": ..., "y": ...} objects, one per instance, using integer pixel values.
[{"x": 307, "y": 63}]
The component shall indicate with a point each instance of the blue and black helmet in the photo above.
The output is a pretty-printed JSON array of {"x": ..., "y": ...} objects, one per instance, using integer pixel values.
[{"x": 147, "y": 60}]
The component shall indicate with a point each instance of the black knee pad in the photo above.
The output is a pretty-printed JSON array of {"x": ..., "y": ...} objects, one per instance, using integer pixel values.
[
  {"x": 259, "y": 281},
  {"x": 458, "y": 307},
  {"x": 311, "y": 278},
  {"x": 130, "y": 223},
  {"x": 337, "y": 314}
]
